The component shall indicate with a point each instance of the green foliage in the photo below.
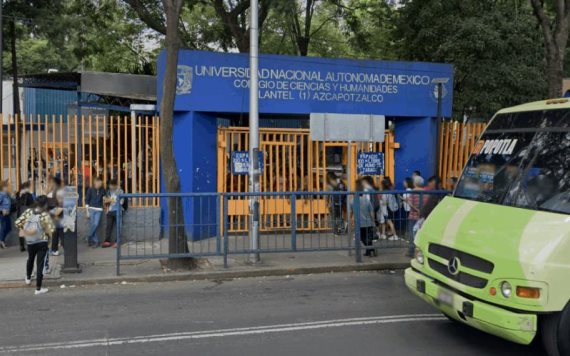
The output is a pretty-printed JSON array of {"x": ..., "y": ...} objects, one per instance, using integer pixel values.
[
  {"x": 496, "y": 46},
  {"x": 496, "y": 50},
  {"x": 77, "y": 35}
]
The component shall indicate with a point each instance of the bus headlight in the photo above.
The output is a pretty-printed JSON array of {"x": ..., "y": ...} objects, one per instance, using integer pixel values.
[
  {"x": 506, "y": 289},
  {"x": 419, "y": 256}
]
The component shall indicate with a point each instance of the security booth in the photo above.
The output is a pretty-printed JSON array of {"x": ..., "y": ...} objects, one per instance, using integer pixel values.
[{"x": 210, "y": 123}]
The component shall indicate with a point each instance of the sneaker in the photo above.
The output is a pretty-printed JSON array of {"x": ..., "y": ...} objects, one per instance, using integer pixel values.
[
  {"x": 41, "y": 291},
  {"x": 106, "y": 244},
  {"x": 381, "y": 237},
  {"x": 393, "y": 238},
  {"x": 54, "y": 253},
  {"x": 2, "y": 244},
  {"x": 115, "y": 245},
  {"x": 28, "y": 281}
]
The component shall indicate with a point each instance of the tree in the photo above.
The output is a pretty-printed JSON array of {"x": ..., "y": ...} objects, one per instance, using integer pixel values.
[
  {"x": 299, "y": 19},
  {"x": 177, "y": 243},
  {"x": 496, "y": 52},
  {"x": 370, "y": 27},
  {"x": 553, "y": 21}
]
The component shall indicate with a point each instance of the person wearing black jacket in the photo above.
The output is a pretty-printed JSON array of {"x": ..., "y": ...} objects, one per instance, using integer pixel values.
[
  {"x": 24, "y": 201},
  {"x": 94, "y": 210}
]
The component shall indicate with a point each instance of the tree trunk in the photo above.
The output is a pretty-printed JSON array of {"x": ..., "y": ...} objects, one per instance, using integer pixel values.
[
  {"x": 554, "y": 76},
  {"x": 177, "y": 243},
  {"x": 555, "y": 29}
]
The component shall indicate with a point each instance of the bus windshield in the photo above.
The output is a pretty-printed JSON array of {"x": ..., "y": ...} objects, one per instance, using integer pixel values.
[{"x": 522, "y": 160}]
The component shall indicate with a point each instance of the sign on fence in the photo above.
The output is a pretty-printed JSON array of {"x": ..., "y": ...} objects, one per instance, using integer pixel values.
[
  {"x": 370, "y": 163},
  {"x": 240, "y": 162}
]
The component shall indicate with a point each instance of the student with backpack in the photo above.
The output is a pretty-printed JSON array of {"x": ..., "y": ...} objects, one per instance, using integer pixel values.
[
  {"x": 372, "y": 196},
  {"x": 5, "y": 211},
  {"x": 367, "y": 223},
  {"x": 391, "y": 208},
  {"x": 24, "y": 201},
  {"x": 336, "y": 202},
  {"x": 37, "y": 228},
  {"x": 114, "y": 207}
]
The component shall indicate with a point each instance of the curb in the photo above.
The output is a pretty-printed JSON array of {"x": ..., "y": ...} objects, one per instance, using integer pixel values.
[{"x": 199, "y": 276}]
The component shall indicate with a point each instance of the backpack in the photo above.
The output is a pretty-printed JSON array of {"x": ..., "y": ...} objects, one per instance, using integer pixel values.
[
  {"x": 33, "y": 230},
  {"x": 393, "y": 204}
]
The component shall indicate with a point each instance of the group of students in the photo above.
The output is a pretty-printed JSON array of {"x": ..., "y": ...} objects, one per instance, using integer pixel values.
[
  {"x": 40, "y": 220},
  {"x": 380, "y": 213},
  {"x": 23, "y": 200},
  {"x": 99, "y": 200}
]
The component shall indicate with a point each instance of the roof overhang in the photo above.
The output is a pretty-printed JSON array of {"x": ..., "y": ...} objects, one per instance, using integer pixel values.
[{"x": 131, "y": 86}]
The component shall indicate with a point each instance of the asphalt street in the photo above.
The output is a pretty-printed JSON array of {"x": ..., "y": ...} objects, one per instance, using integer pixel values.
[{"x": 326, "y": 314}]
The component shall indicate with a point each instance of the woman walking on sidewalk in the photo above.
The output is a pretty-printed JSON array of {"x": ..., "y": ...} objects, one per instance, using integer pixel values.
[{"x": 37, "y": 228}]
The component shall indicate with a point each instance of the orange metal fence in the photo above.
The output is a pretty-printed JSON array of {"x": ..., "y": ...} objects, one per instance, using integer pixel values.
[
  {"x": 292, "y": 162},
  {"x": 78, "y": 149},
  {"x": 456, "y": 143}
]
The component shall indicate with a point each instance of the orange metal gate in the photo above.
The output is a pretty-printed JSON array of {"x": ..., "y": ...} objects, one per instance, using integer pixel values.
[
  {"x": 292, "y": 162},
  {"x": 78, "y": 149},
  {"x": 456, "y": 143}
]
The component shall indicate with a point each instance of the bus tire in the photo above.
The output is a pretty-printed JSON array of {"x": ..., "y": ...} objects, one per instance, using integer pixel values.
[
  {"x": 549, "y": 334},
  {"x": 564, "y": 332}
]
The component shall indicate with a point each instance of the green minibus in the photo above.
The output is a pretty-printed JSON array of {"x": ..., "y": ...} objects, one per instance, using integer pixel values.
[{"x": 495, "y": 255}]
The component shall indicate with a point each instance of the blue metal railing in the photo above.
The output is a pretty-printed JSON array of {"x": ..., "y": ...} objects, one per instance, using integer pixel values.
[{"x": 288, "y": 220}]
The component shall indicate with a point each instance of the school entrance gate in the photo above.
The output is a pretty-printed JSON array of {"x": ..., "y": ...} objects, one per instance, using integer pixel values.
[
  {"x": 211, "y": 86},
  {"x": 291, "y": 162}
]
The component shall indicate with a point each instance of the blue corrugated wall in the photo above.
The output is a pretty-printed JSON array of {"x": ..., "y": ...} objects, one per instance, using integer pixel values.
[{"x": 48, "y": 101}]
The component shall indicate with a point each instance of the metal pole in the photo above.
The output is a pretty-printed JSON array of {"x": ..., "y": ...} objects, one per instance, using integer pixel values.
[
  {"x": 438, "y": 126},
  {"x": 254, "y": 133},
  {"x": 134, "y": 155},
  {"x": 349, "y": 189}
]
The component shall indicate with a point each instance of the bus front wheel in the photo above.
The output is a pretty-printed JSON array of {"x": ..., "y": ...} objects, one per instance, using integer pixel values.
[
  {"x": 555, "y": 333},
  {"x": 564, "y": 332},
  {"x": 549, "y": 334}
]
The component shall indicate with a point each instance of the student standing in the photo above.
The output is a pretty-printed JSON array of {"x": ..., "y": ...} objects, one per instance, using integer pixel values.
[
  {"x": 416, "y": 204},
  {"x": 55, "y": 205},
  {"x": 5, "y": 208},
  {"x": 94, "y": 210},
  {"x": 367, "y": 223},
  {"x": 115, "y": 205},
  {"x": 37, "y": 228},
  {"x": 391, "y": 208},
  {"x": 24, "y": 201},
  {"x": 336, "y": 202},
  {"x": 431, "y": 201},
  {"x": 406, "y": 197}
]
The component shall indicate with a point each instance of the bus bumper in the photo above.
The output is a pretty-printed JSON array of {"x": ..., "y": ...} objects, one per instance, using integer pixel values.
[{"x": 509, "y": 325}]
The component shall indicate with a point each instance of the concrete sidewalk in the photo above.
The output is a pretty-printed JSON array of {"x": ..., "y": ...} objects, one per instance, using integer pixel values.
[{"x": 99, "y": 266}]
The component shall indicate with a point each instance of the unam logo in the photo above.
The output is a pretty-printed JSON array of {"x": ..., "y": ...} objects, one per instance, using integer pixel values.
[
  {"x": 434, "y": 93},
  {"x": 183, "y": 80}
]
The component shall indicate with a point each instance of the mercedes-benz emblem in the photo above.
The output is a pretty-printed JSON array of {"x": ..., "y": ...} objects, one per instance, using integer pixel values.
[{"x": 453, "y": 266}]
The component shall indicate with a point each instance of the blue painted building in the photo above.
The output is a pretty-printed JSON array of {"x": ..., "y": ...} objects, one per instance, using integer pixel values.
[
  {"x": 214, "y": 86},
  {"x": 211, "y": 85}
]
